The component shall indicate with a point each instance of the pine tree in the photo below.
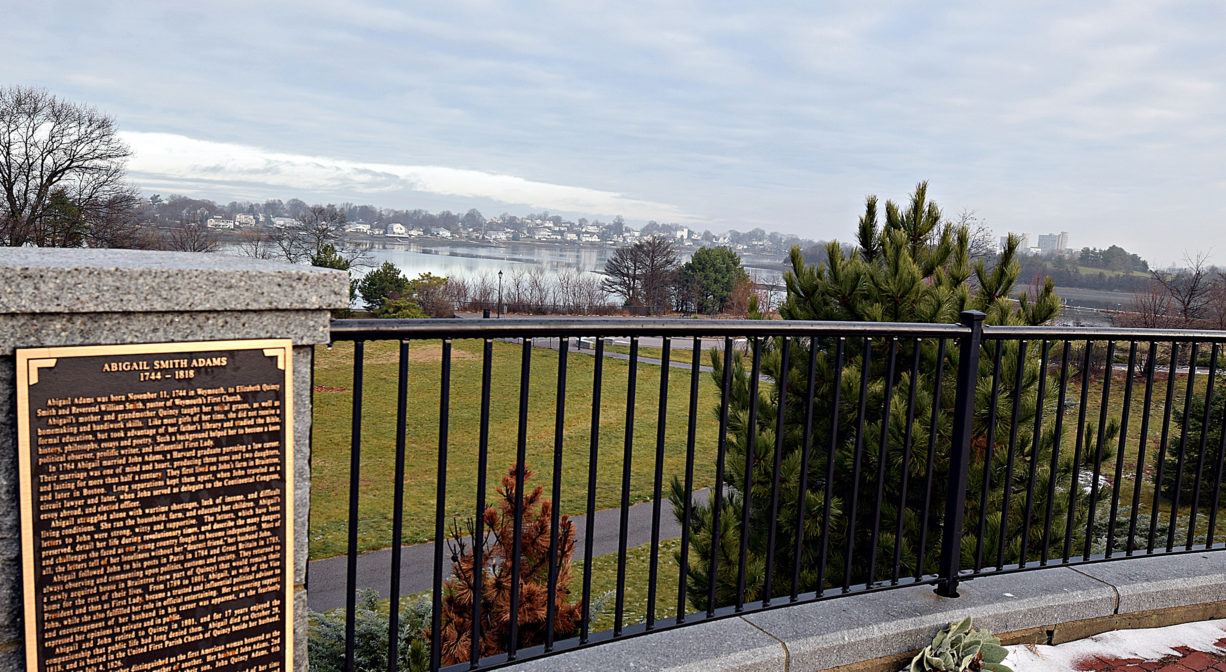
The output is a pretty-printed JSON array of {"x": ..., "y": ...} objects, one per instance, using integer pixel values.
[
  {"x": 459, "y": 591},
  {"x": 914, "y": 268}
]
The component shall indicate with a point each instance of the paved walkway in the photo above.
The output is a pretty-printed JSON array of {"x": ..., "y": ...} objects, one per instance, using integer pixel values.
[
  {"x": 327, "y": 577},
  {"x": 1186, "y": 647},
  {"x": 1187, "y": 661}
]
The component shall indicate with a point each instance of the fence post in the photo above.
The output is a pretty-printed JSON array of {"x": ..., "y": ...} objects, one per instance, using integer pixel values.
[{"x": 959, "y": 455}]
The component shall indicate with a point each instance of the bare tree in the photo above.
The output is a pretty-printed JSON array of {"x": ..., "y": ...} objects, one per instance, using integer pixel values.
[
  {"x": 981, "y": 244},
  {"x": 54, "y": 150},
  {"x": 1215, "y": 307},
  {"x": 318, "y": 227},
  {"x": 1150, "y": 308},
  {"x": 591, "y": 295},
  {"x": 537, "y": 287},
  {"x": 516, "y": 295},
  {"x": 1189, "y": 289},
  {"x": 258, "y": 245},
  {"x": 483, "y": 290},
  {"x": 111, "y": 221},
  {"x": 190, "y": 236}
]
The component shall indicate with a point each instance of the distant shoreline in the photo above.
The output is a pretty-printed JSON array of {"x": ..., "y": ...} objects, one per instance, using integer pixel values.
[{"x": 758, "y": 261}]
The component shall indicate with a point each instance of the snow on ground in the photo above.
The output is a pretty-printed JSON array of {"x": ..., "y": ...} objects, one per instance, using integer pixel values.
[{"x": 1147, "y": 644}]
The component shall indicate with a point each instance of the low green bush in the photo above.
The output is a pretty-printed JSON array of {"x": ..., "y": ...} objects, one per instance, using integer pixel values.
[{"x": 326, "y": 635}]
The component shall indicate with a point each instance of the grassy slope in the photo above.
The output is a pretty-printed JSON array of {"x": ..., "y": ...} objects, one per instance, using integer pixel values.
[{"x": 332, "y": 417}]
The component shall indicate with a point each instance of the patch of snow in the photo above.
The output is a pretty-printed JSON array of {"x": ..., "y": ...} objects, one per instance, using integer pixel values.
[
  {"x": 1147, "y": 644},
  {"x": 1086, "y": 479}
]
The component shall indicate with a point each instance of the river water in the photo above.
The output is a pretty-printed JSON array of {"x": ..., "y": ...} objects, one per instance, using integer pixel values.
[{"x": 470, "y": 261}]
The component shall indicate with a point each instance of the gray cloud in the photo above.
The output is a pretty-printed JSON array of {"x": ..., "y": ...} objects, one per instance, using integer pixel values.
[{"x": 1101, "y": 120}]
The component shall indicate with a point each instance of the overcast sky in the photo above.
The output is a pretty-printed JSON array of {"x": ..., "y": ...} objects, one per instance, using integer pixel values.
[{"x": 1104, "y": 120}]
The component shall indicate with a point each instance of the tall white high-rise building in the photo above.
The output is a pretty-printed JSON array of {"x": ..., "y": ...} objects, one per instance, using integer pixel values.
[{"x": 1053, "y": 242}]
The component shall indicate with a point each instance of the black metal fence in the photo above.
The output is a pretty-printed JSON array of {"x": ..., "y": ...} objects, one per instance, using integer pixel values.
[{"x": 799, "y": 460}]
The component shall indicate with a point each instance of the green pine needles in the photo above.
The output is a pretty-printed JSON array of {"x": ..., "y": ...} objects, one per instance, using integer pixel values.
[{"x": 911, "y": 268}]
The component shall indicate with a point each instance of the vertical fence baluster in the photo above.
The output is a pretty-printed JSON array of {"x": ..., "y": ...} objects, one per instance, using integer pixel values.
[
  {"x": 751, "y": 456},
  {"x": 1204, "y": 437},
  {"x": 1183, "y": 446},
  {"x": 627, "y": 454},
  {"x": 857, "y": 458},
  {"x": 1098, "y": 450},
  {"x": 832, "y": 447},
  {"x": 782, "y": 386},
  {"x": 717, "y": 502},
  {"x": 1014, "y": 424},
  {"x": 906, "y": 463},
  {"x": 393, "y": 605},
  {"x": 1151, "y": 363},
  {"x": 559, "y": 426},
  {"x": 517, "y": 537},
  {"x": 989, "y": 447},
  {"x": 355, "y": 466},
  {"x": 687, "y": 507},
  {"x": 1119, "y": 453},
  {"x": 882, "y": 455},
  {"x": 932, "y": 450},
  {"x": 1217, "y": 486},
  {"x": 483, "y": 449},
  {"x": 590, "y": 518},
  {"x": 806, "y": 449},
  {"x": 440, "y": 505},
  {"x": 960, "y": 455},
  {"x": 1162, "y": 445},
  {"x": 1053, "y": 466},
  {"x": 1034, "y": 452},
  {"x": 661, "y": 419},
  {"x": 1075, "y": 485}
]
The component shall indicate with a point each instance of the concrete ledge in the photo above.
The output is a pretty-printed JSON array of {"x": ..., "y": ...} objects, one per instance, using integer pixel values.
[
  {"x": 1146, "y": 584},
  {"x": 726, "y": 645},
  {"x": 827, "y": 634},
  {"x": 43, "y": 280},
  {"x": 879, "y": 632}
]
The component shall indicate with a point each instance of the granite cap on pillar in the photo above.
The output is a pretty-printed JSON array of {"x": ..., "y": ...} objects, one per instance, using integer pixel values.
[
  {"x": 81, "y": 296},
  {"x": 60, "y": 280}
]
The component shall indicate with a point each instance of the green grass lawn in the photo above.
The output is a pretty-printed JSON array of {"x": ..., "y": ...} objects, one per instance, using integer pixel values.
[
  {"x": 638, "y": 570},
  {"x": 332, "y": 418},
  {"x": 1131, "y": 434},
  {"x": 1090, "y": 270}
]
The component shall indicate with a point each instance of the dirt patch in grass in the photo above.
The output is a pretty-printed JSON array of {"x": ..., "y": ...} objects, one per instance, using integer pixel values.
[
  {"x": 418, "y": 352},
  {"x": 324, "y": 388}
]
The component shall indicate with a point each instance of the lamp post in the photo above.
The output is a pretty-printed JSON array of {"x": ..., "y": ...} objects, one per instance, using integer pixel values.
[{"x": 500, "y": 295}]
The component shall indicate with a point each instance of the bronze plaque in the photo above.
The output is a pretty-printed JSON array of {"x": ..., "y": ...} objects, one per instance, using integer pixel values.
[{"x": 157, "y": 506}]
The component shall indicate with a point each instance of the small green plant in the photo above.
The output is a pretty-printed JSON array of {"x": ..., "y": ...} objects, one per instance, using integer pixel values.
[
  {"x": 326, "y": 635},
  {"x": 959, "y": 647}
]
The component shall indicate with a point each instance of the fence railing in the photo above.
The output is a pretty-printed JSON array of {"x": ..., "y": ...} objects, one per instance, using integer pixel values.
[{"x": 797, "y": 461}]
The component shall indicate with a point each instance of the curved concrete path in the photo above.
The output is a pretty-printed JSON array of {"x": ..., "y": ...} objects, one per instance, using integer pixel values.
[{"x": 326, "y": 577}]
